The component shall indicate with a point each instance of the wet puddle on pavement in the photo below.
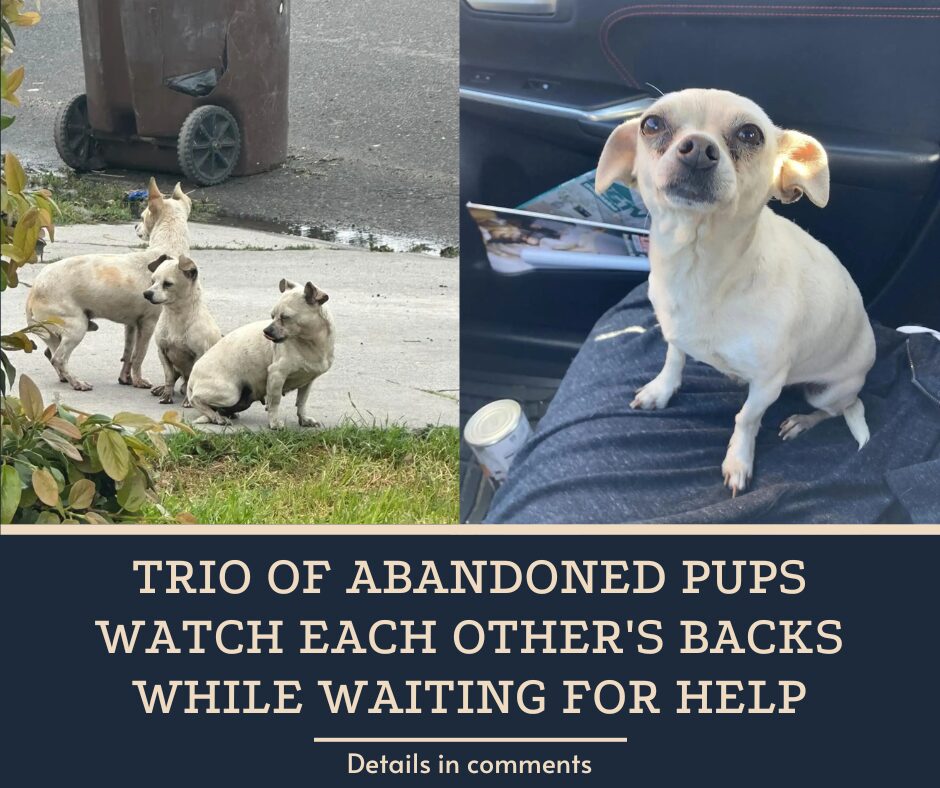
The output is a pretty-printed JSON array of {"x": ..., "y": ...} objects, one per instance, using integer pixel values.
[{"x": 350, "y": 236}]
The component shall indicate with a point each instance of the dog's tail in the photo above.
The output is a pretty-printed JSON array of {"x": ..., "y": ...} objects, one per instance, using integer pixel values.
[
  {"x": 244, "y": 402},
  {"x": 855, "y": 417}
]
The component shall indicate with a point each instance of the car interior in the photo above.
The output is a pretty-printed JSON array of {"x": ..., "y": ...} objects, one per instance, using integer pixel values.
[{"x": 544, "y": 82}]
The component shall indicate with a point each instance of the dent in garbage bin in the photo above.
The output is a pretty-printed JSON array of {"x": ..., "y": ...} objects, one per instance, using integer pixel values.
[{"x": 199, "y": 83}]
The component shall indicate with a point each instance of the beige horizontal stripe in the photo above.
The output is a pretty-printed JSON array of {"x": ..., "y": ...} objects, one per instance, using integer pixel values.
[
  {"x": 462, "y": 740},
  {"x": 470, "y": 530}
]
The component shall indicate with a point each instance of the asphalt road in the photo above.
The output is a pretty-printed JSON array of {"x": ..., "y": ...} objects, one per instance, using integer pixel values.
[
  {"x": 373, "y": 116},
  {"x": 395, "y": 314}
]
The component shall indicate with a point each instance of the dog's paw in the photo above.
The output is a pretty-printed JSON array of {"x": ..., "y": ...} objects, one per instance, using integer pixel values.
[
  {"x": 157, "y": 391},
  {"x": 797, "y": 424},
  {"x": 218, "y": 420},
  {"x": 80, "y": 385},
  {"x": 125, "y": 380},
  {"x": 188, "y": 404},
  {"x": 166, "y": 399},
  {"x": 306, "y": 421},
  {"x": 141, "y": 383},
  {"x": 653, "y": 396},
  {"x": 736, "y": 474},
  {"x": 276, "y": 423}
]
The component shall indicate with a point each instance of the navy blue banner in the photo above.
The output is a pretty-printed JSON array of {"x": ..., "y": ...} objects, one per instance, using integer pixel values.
[{"x": 820, "y": 669}]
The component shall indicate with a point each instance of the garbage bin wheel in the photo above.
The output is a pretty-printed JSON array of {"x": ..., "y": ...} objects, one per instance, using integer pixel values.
[
  {"x": 208, "y": 145},
  {"x": 73, "y": 139}
]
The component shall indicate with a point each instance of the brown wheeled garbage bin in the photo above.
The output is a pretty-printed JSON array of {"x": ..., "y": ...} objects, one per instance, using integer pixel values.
[{"x": 180, "y": 86}]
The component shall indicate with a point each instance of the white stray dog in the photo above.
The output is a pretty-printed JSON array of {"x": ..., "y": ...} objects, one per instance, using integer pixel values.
[
  {"x": 74, "y": 291},
  {"x": 732, "y": 283},
  {"x": 186, "y": 328},
  {"x": 263, "y": 361}
]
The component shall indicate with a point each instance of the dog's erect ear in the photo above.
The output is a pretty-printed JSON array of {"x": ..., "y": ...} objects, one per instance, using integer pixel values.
[
  {"x": 287, "y": 284},
  {"x": 618, "y": 157},
  {"x": 188, "y": 267},
  {"x": 156, "y": 263},
  {"x": 312, "y": 295},
  {"x": 181, "y": 196},
  {"x": 154, "y": 196},
  {"x": 802, "y": 167}
]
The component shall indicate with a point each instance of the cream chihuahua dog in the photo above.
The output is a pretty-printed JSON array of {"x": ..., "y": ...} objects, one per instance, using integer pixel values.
[
  {"x": 732, "y": 283},
  {"x": 263, "y": 361},
  {"x": 186, "y": 328},
  {"x": 71, "y": 292}
]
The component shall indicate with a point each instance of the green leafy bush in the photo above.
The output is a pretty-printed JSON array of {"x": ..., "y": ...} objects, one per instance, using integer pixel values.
[{"x": 61, "y": 465}]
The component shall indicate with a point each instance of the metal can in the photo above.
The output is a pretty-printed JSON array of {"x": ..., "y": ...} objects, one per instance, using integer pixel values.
[{"x": 495, "y": 433}]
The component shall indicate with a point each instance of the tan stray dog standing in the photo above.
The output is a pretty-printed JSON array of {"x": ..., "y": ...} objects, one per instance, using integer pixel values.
[
  {"x": 186, "y": 328},
  {"x": 732, "y": 283},
  {"x": 74, "y": 291},
  {"x": 263, "y": 361}
]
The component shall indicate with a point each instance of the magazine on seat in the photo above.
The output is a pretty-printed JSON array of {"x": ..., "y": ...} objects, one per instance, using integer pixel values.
[{"x": 568, "y": 227}]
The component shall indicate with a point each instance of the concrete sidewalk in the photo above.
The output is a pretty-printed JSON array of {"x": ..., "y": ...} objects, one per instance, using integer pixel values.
[{"x": 396, "y": 324}]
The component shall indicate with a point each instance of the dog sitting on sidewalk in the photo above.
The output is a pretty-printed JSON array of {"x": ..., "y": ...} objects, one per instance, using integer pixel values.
[
  {"x": 186, "y": 328},
  {"x": 69, "y": 294},
  {"x": 263, "y": 361}
]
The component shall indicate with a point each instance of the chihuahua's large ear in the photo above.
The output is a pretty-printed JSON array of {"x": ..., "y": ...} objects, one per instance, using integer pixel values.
[
  {"x": 188, "y": 267},
  {"x": 618, "y": 157},
  {"x": 154, "y": 197},
  {"x": 313, "y": 295},
  {"x": 802, "y": 167},
  {"x": 179, "y": 194},
  {"x": 287, "y": 284},
  {"x": 156, "y": 263}
]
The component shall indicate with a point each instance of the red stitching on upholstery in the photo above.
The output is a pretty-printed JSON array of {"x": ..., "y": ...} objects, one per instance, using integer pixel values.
[{"x": 747, "y": 11}]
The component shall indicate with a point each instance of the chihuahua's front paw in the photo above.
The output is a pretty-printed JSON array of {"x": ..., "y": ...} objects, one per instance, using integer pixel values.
[
  {"x": 157, "y": 391},
  {"x": 141, "y": 383},
  {"x": 275, "y": 423},
  {"x": 306, "y": 421},
  {"x": 737, "y": 473},
  {"x": 654, "y": 395}
]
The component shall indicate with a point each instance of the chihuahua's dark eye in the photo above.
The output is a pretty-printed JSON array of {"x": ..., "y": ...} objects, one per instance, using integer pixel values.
[
  {"x": 652, "y": 124},
  {"x": 167, "y": 284},
  {"x": 750, "y": 134}
]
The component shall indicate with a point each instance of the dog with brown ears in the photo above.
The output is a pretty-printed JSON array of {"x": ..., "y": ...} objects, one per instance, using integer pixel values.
[
  {"x": 263, "y": 361},
  {"x": 186, "y": 328}
]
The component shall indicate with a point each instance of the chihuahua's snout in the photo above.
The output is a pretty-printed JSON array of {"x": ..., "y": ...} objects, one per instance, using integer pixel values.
[
  {"x": 273, "y": 333},
  {"x": 698, "y": 152},
  {"x": 148, "y": 294}
]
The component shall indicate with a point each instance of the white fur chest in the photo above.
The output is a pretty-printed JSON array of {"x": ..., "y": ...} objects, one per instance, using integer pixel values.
[
  {"x": 172, "y": 329},
  {"x": 690, "y": 319}
]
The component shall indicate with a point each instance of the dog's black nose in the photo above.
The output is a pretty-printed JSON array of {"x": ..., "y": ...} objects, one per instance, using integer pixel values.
[
  {"x": 148, "y": 295},
  {"x": 698, "y": 152}
]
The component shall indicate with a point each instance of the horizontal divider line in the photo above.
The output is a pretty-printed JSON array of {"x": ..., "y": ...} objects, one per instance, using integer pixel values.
[
  {"x": 470, "y": 530},
  {"x": 466, "y": 740}
]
